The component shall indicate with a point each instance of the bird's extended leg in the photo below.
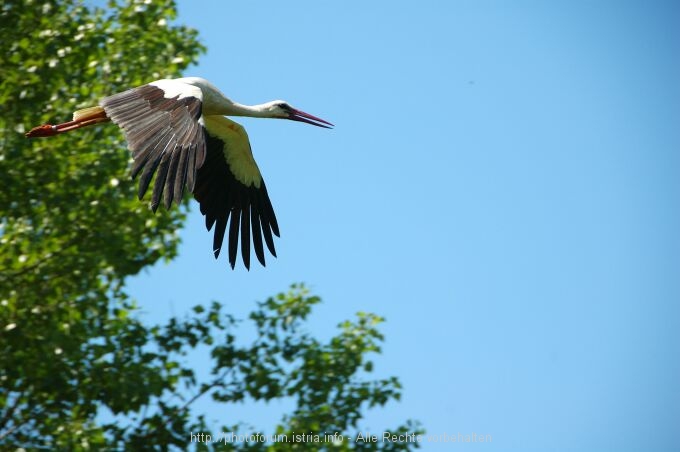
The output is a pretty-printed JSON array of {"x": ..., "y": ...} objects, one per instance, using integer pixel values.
[{"x": 81, "y": 118}]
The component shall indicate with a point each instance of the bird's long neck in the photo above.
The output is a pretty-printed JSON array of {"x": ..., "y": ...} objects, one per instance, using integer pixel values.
[
  {"x": 216, "y": 103},
  {"x": 254, "y": 111},
  {"x": 222, "y": 105}
]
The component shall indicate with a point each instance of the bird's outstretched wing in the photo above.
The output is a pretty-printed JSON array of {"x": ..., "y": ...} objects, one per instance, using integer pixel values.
[
  {"x": 230, "y": 188},
  {"x": 161, "y": 125}
]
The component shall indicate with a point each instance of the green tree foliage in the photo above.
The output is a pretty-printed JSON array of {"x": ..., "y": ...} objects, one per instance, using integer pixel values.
[{"x": 77, "y": 369}]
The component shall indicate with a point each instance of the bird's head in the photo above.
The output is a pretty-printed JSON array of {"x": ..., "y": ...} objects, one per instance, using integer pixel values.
[{"x": 282, "y": 110}]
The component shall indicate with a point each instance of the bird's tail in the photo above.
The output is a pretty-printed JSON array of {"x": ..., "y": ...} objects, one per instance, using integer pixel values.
[{"x": 81, "y": 118}]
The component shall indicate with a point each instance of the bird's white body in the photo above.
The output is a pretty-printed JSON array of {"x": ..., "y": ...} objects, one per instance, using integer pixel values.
[{"x": 214, "y": 101}]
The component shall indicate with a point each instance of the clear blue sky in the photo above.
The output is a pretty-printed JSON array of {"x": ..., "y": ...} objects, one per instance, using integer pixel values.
[{"x": 503, "y": 185}]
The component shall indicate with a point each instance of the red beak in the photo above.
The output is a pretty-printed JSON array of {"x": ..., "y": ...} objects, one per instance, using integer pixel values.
[{"x": 301, "y": 116}]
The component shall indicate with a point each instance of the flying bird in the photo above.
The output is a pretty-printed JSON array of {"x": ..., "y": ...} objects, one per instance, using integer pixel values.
[{"x": 177, "y": 130}]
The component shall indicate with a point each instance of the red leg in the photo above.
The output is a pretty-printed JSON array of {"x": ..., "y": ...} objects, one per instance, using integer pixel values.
[{"x": 47, "y": 130}]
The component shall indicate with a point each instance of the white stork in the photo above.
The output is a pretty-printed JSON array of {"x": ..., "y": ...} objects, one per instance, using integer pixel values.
[{"x": 176, "y": 128}]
